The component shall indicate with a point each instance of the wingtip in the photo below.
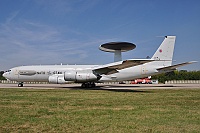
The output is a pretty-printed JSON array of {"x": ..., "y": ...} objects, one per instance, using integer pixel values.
[{"x": 192, "y": 62}]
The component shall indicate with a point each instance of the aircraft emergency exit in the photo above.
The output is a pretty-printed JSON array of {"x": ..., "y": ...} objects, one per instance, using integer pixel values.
[{"x": 125, "y": 70}]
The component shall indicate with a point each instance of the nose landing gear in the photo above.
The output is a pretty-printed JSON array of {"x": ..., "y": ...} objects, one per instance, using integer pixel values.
[{"x": 20, "y": 84}]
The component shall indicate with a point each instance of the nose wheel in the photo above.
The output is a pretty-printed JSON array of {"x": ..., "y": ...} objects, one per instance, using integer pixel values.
[{"x": 20, "y": 84}]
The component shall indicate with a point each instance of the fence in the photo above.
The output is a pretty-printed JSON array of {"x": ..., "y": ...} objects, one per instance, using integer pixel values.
[
  {"x": 183, "y": 82},
  {"x": 14, "y": 82},
  {"x": 126, "y": 82}
]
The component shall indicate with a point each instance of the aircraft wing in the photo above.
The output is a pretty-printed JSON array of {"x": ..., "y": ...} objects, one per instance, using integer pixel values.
[
  {"x": 173, "y": 67},
  {"x": 114, "y": 67}
]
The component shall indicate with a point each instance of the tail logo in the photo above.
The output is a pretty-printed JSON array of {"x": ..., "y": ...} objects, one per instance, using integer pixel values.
[{"x": 160, "y": 50}]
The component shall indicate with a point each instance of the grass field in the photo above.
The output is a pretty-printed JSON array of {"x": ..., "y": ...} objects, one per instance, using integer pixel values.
[{"x": 62, "y": 110}]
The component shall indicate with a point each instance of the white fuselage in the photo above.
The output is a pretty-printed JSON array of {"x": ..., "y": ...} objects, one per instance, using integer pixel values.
[{"x": 42, "y": 73}]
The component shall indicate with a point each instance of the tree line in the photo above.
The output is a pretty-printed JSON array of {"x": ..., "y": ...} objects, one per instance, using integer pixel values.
[
  {"x": 1, "y": 77},
  {"x": 178, "y": 75}
]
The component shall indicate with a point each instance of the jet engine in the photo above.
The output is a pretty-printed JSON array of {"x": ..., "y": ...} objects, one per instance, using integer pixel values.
[
  {"x": 80, "y": 76},
  {"x": 57, "y": 79}
]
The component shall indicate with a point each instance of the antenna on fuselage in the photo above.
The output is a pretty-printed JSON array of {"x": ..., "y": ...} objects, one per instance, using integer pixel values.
[{"x": 117, "y": 48}]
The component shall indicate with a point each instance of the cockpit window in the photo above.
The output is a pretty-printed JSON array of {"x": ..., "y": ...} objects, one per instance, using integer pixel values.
[{"x": 8, "y": 71}]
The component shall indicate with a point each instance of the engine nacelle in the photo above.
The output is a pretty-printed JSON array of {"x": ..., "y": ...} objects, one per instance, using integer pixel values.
[
  {"x": 57, "y": 79},
  {"x": 80, "y": 76}
]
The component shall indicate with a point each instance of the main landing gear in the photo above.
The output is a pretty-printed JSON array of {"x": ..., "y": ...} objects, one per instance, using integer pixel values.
[
  {"x": 20, "y": 84},
  {"x": 88, "y": 85}
]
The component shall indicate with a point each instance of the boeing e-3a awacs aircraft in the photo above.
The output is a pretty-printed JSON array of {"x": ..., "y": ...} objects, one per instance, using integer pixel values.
[{"x": 130, "y": 69}]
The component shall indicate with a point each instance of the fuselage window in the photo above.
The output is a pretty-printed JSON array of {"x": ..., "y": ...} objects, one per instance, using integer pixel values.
[{"x": 59, "y": 72}]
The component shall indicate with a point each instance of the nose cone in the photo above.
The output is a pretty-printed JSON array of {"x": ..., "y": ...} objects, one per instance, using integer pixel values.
[{"x": 5, "y": 75}]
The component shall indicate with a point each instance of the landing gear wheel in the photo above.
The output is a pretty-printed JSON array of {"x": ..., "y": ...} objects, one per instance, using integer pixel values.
[
  {"x": 93, "y": 84},
  {"x": 88, "y": 85},
  {"x": 83, "y": 85},
  {"x": 20, "y": 84}
]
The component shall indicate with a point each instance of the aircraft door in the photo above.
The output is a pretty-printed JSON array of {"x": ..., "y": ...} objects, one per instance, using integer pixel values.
[
  {"x": 143, "y": 70},
  {"x": 16, "y": 73}
]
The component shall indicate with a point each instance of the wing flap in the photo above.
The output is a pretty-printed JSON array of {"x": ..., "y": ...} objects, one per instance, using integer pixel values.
[
  {"x": 170, "y": 68},
  {"x": 114, "y": 67}
]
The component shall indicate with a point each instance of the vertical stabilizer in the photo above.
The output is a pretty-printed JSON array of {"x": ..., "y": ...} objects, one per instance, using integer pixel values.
[{"x": 166, "y": 50}]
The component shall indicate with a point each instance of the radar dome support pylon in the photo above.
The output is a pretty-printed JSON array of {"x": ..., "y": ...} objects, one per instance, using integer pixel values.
[{"x": 117, "y": 48}]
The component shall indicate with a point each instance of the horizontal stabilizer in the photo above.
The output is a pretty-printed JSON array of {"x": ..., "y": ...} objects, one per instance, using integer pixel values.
[
  {"x": 170, "y": 68},
  {"x": 113, "y": 67}
]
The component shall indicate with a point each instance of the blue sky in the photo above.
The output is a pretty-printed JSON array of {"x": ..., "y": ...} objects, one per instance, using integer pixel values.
[{"x": 34, "y": 32}]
